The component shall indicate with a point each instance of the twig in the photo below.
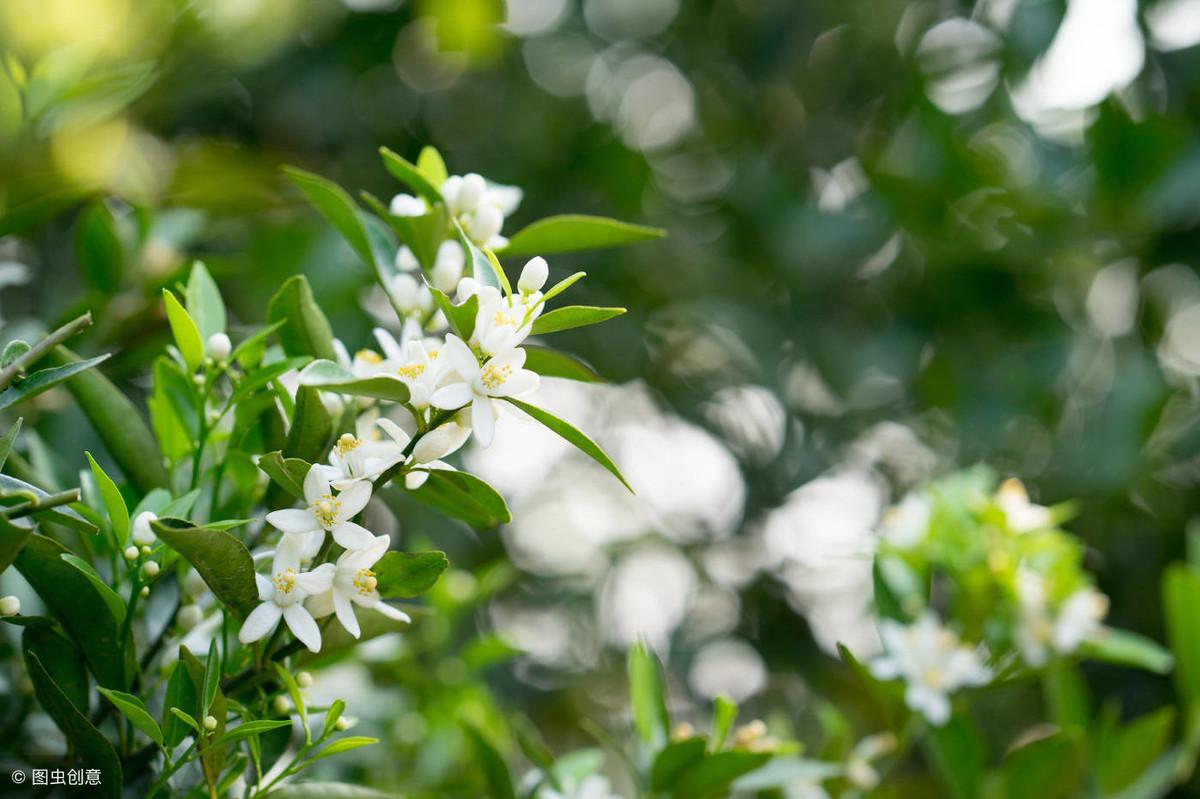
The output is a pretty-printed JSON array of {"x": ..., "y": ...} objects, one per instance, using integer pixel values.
[
  {"x": 35, "y": 353},
  {"x": 44, "y": 503}
]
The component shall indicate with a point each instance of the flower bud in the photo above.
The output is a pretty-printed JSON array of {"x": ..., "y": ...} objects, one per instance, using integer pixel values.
[
  {"x": 150, "y": 568},
  {"x": 406, "y": 261},
  {"x": 281, "y": 704},
  {"x": 304, "y": 679},
  {"x": 450, "y": 190},
  {"x": 534, "y": 275},
  {"x": 210, "y": 723},
  {"x": 407, "y": 205},
  {"x": 142, "y": 534},
  {"x": 10, "y": 606},
  {"x": 448, "y": 266},
  {"x": 468, "y": 287},
  {"x": 471, "y": 193},
  {"x": 194, "y": 584},
  {"x": 485, "y": 224},
  {"x": 343, "y": 723},
  {"x": 131, "y": 553},
  {"x": 198, "y": 379},
  {"x": 145, "y": 549},
  {"x": 218, "y": 346},
  {"x": 189, "y": 616},
  {"x": 405, "y": 291},
  {"x": 145, "y": 592}
]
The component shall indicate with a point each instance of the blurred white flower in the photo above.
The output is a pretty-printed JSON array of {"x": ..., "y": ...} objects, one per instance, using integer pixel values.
[
  {"x": 906, "y": 525},
  {"x": 646, "y": 596},
  {"x": 729, "y": 668},
  {"x": 448, "y": 266},
  {"x": 932, "y": 662},
  {"x": 593, "y": 786},
  {"x": 480, "y": 207},
  {"x": 407, "y": 205},
  {"x": 1022, "y": 515},
  {"x": 1041, "y": 631}
]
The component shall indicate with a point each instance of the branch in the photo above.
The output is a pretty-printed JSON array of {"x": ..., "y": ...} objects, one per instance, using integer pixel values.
[{"x": 37, "y": 351}]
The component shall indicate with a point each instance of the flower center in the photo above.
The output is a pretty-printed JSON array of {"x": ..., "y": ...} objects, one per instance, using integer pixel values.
[
  {"x": 285, "y": 581},
  {"x": 493, "y": 377},
  {"x": 326, "y": 509},
  {"x": 365, "y": 582},
  {"x": 412, "y": 371},
  {"x": 505, "y": 319},
  {"x": 370, "y": 356},
  {"x": 347, "y": 444},
  {"x": 933, "y": 677}
]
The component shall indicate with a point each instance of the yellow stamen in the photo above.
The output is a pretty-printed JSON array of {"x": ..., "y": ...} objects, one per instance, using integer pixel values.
[
  {"x": 365, "y": 582},
  {"x": 347, "y": 443},
  {"x": 412, "y": 371},
  {"x": 370, "y": 356},
  {"x": 285, "y": 581},
  {"x": 326, "y": 510},
  {"x": 495, "y": 376}
]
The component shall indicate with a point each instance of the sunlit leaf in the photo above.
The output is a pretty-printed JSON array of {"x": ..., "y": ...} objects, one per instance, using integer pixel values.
[
  {"x": 574, "y": 232},
  {"x": 183, "y": 328},
  {"x": 408, "y": 574},
  {"x": 204, "y": 301},
  {"x": 573, "y": 316},
  {"x": 327, "y": 375},
  {"x": 43, "y": 380},
  {"x": 222, "y": 560},
  {"x": 305, "y": 330}
]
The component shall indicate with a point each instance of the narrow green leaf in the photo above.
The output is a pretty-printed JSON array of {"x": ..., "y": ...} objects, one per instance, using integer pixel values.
[
  {"x": 186, "y": 719},
  {"x": 408, "y": 574},
  {"x": 293, "y": 689},
  {"x": 461, "y": 317},
  {"x": 431, "y": 166},
  {"x": 118, "y": 423},
  {"x": 483, "y": 268},
  {"x": 1181, "y": 597},
  {"x": 43, "y": 380},
  {"x": 183, "y": 328},
  {"x": 724, "y": 712},
  {"x": 62, "y": 659},
  {"x": 12, "y": 487},
  {"x": 179, "y": 702},
  {"x": 464, "y": 496},
  {"x": 572, "y": 316},
  {"x": 132, "y": 708},
  {"x": 12, "y": 351},
  {"x": 246, "y": 729},
  {"x": 311, "y": 429},
  {"x": 90, "y": 745},
  {"x": 1124, "y": 754},
  {"x": 249, "y": 352},
  {"x": 552, "y": 363},
  {"x": 332, "y": 715},
  {"x": 212, "y": 758},
  {"x": 338, "y": 208},
  {"x": 212, "y": 678},
  {"x": 573, "y": 436},
  {"x": 575, "y": 232},
  {"x": 14, "y": 534},
  {"x": 305, "y": 330},
  {"x": 98, "y": 249},
  {"x": 495, "y": 771},
  {"x": 262, "y": 376},
  {"x": 650, "y": 717},
  {"x": 674, "y": 760},
  {"x": 111, "y": 598},
  {"x": 114, "y": 503},
  {"x": 344, "y": 745},
  {"x": 330, "y": 376},
  {"x": 204, "y": 301},
  {"x": 1126, "y": 648},
  {"x": 287, "y": 473},
  {"x": 410, "y": 175},
  {"x": 562, "y": 285},
  {"x": 222, "y": 560}
]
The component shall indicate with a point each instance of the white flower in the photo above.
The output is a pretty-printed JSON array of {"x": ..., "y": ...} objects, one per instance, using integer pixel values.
[
  {"x": 421, "y": 368},
  {"x": 218, "y": 346},
  {"x": 410, "y": 295},
  {"x": 593, "y": 786},
  {"x": 434, "y": 445},
  {"x": 534, "y": 275},
  {"x": 406, "y": 260},
  {"x": 10, "y": 605},
  {"x": 325, "y": 513},
  {"x": 355, "y": 584},
  {"x": 480, "y": 207},
  {"x": 448, "y": 266},
  {"x": 354, "y": 459},
  {"x": 407, "y": 205},
  {"x": 932, "y": 662},
  {"x": 1078, "y": 618},
  {"x": 503, "y": 375},
  {"x": 283, "y": 595},
  {"x": 906, "y": 525},
  {"x": 502, "y": 323},
  {"x": 143, "y": 536},
  {"x": 1022, "y": 515}
]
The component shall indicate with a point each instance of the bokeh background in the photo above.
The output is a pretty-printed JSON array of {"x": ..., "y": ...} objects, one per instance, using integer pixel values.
[{"x": 905, "y": 236}]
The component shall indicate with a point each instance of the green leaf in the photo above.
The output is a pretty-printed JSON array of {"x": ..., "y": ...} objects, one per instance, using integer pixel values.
[
  {"x": 422, "y": 234},
  {"x": 1048, "y": 768},
  {"x": 552, "y": 363},
  {"x": 98, "y": 249},
  {"x": 724, "y": 712},
  {"x": 326, "y": 790},
  {"x": 43, "y": 380},
  {"x": 90, "y": 745},
  {"x": 572, "y": 316},
  {"x": 111, "y": 598},
  {"x": 1181, "y": 597},
  {"x": 114, "y": 503},
  {"x": 293, "y": 689},
  {"x": 204, "y": 301},
  {"x": 338, "y": 208},
  {"x": 712, "y": 776},
  {"x": 782, "y": 771},
  {"x": 288, "y": 473},
  {"x": 75, "y": 602},
  {"x": 1124, "y": 754},
  {"x": 11, "y": 486},
  {"x": 332, "y": 715},
  {"x": 483, "y": 269},
  {"x": 212, "y": 758},
  {"x": 62, "y": 659},
  {"x": 132, "y": 708},
  {"x": 311, "y": 430},
  {"x": 562, "y": 285},
  {"x": 183, "y": 328},
  {"x": 1126, "y": 648},
  {"x": 344, "y": 745},
  {"x": 495, "y": 772},
  {"x": 212, "y": 678},
  {"x": 118, "y": 423},
  {"x": 327, "y": 375},
  {"x": 222, "y": 560},
  {"x": 957, "y": 756},
  {"x": 249, "y": 352},
  {"x": 1067, "y": 698},
  {"x": 464, "y": 496},
  {"x": 305, "y": 330},
  {"x": 408, "y": 574},
  {"x": 246, "y": 729},
  {"x": 573, "y": 436},
  {"x": 263, "y": 376},
  {"x": 431, "y": 166},
  {"x": 179, "y": 702},
  {"x": 12, "y": 351},
  {"x": 410, "y": 175},
  {"x": 461, "y": 317},
  {"x": 650, "y": 717},
  {"x": 180, "y": 507},
  {"x": 673, "y": 760},
  {"x": 14, "y": 534},
  {"x": 575, "y": 232}
]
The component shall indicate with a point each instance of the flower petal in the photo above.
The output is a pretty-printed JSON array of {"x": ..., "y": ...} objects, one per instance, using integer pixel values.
[
  {"x": 345, "y": 614},
  {"x": 414, "y": 480},
  {"x": 462, "y": 360},
  {"x": 451, "y": 397},
  {"x": 294, "y": 520},
  {"x": 318, "y": 580},
  {"x": 261, "y": 621},
  {"x": 352, "y": 536},
  {"x": 391, "y": 612},
  {"x": 395, "y": 432},
  {"x": 266, "y": 589},
  {"x": 353, "y": 500},
  {"x": 483, "y": 420},
  {"x": 301, "y": 623},
  {"x": 315, "y": 485},
  {"x": 523, "y": 381},
  {"x": 320, "y": 605}
]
